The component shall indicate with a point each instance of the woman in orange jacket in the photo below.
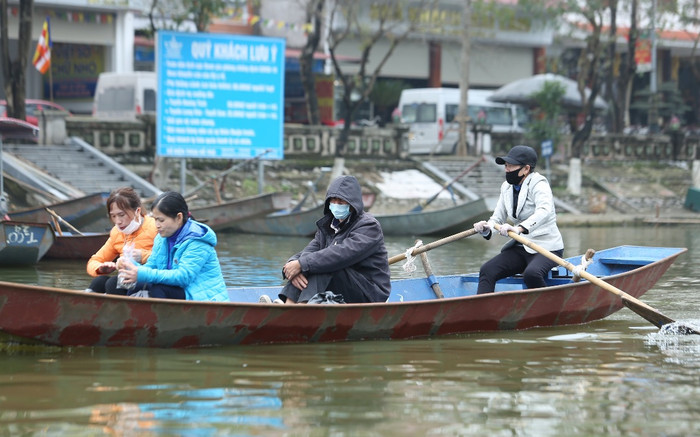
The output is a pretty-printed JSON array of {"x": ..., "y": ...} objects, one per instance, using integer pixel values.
[{"x": 133, "y": 232}]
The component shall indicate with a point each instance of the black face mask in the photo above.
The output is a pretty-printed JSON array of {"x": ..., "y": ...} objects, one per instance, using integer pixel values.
[{"x": 512, "y": 177}]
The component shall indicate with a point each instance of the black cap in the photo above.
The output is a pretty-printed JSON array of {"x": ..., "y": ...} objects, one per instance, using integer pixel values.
[{"x": 523, "y": 155}]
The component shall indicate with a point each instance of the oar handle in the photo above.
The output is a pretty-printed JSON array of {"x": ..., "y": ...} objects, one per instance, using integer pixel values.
[
  {"x": 418, "y": 250},
  {"x": 659, "y": 320},
  {"x": 60, "y": 219}
]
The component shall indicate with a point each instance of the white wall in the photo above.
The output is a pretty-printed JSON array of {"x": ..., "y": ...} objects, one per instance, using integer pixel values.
[{"x": 489, "y": 66}]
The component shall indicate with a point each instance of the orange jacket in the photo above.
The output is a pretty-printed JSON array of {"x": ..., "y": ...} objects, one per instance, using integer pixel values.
[{"x": 114, "y": 247}]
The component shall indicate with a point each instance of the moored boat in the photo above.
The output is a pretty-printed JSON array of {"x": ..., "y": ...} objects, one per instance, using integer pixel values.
[
  {"x": 287, "y": 223},
  {"x": 24, "y": 243},
  {"x": 428, "y": 222},
  {"x": 76, "y": 246},
  {"x": 223, "y": 216},
  {"x": 81, "y": 212},
  {"x": 74, "y": 318},
  {"x": 437, "y": 221}
]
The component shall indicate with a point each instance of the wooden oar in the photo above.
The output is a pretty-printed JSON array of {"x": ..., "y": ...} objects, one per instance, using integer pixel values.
[
  {"x": 631, "y": 302},
  {"x": 418, "y": 250},
  {"x": 60, "y": 219}
]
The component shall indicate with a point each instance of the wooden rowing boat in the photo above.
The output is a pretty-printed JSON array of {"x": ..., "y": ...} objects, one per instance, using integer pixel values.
[
  {"x": 291, "y": 224},
  {"x": 76, "y": 246},
  {"x": 81, "y": 212},
  {"x": 223, "y": 216},
  {"x": 428, "y": 222},
  {"x": 435, "y": 222},
  {"x": 75, "y": 318},
  {"x": 24, "y": 243}
]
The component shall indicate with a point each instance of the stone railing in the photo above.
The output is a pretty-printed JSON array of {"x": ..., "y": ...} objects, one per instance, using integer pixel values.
[
  {"x": 122, "y": 137},
  {"x": 115, "y": 137},
  {"x": 612, "y": 147},
  {"x": 302, "y": 140}
]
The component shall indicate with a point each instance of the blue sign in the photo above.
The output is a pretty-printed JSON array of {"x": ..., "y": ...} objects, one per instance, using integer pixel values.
[
  {"x": 219, "y": 96},
  {"x": 547, "y": 148}
]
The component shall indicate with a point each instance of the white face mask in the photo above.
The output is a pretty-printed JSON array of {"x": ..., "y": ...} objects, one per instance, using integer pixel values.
[{"x": 134, "y": 225}]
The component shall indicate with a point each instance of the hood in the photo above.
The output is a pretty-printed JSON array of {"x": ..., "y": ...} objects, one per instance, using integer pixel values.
[
  {"x": 194, "y": 230},
  {"x": 348, "y": 189}
]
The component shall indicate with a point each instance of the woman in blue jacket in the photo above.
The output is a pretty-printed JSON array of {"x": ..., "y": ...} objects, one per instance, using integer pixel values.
[{"x": 183, "y": 263}]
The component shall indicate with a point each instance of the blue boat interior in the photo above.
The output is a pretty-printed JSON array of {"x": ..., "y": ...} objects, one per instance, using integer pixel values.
[{"x": 607, "y": 262}]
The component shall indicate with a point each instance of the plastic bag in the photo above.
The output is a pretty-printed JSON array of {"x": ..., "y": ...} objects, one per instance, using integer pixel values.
[
  {"x": 327, "y": 297},
  {"x": 127, "y": 256}
]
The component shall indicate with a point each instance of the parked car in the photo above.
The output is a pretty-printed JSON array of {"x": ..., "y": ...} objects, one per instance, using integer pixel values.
[
  {"x": 430, "y": 113},
  {"x": 125, "y": 95},
  {"x": 34, "y": 108}
]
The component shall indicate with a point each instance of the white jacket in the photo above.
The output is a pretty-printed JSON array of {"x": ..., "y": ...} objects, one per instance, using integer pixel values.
[{"x": 535, "y": 212}]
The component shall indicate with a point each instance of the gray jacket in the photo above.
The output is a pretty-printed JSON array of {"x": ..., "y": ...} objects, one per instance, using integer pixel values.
[{"x": 534, "y": 212}]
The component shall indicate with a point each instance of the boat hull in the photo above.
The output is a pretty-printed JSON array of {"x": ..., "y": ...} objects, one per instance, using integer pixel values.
[
  {"x": 74, "y": 318},
  {"x": 23, "y": 243},
  {"x": 81, "y": 212},
  {"x": 293, "y": 224},
  {"x": 224, "y": 216},
  {"x": 75, "y": 246},
  {"x": 433, "y": 222}
]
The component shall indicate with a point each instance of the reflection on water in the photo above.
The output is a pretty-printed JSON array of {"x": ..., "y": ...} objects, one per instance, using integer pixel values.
[{"x": 612, "y": 377}]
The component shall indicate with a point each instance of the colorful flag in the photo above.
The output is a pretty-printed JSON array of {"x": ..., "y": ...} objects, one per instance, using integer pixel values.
[{"x": 42, "y": 55}]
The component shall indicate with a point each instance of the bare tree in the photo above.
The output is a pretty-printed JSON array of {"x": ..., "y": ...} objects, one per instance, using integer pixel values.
[
  {"x": 13, "y": 69},
  {"x": 173, "y": 13},
  {"x": 314, "y": 16},
  {"x": 390, "y": 22}
]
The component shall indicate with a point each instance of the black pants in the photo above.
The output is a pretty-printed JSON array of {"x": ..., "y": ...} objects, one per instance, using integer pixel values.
[
  {"x": 345, "y": 282},
  {"x": 161, "y": 291},
  {"x": 512, "y": 261},
  {"x": 107, "y": 284}
]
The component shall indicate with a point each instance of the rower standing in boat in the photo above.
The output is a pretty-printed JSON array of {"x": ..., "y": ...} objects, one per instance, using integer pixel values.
[
  {"x": 132, "y": 230},
  {"x": 526, "y": 199},
  {"x": 347, "y": 255},
  {"x": 184, "y": 263}
]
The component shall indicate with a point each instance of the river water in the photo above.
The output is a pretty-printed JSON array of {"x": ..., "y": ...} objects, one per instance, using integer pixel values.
[{"x": 613, "y": 377}]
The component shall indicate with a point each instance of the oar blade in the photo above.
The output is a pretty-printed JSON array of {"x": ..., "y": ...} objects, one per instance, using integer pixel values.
[
  {"x": 653, "y": 316},
  {"x": 656, "y": 318}
]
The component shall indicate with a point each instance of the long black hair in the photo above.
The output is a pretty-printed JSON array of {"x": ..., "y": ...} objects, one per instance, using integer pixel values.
[{"x": 171, "y": 203}]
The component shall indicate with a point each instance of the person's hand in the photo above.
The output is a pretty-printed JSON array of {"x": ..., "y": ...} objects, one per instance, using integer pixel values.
[
  {"x": 506, "y": 227},
  {"x": 300, "y": 281},
  {"x": 106, "y": 268},
  {"x": 128, "y": 271},
  {"x": 291, "y": 269},
  {"x": 482, "y": 227}
]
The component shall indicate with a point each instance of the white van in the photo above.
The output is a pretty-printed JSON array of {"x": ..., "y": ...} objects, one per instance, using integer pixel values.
[
  {"x": 123, "y": 96},
  {"x": 430, "y": 114}
]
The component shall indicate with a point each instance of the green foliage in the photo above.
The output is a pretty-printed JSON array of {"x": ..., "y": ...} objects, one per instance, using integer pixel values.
[
  {"x": 386, "y": 93},
  {"x": 545, "y": 114},
  {"x": 669, "y": 100}
]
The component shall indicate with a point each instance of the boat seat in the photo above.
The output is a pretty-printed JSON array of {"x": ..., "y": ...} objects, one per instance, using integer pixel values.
[{"x": 625, "y": 261}]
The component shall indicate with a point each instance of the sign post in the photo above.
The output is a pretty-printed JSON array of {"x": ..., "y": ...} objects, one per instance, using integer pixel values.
[
  {"x": 219, "y": 96},
  {"x": 547, "y": 149}
]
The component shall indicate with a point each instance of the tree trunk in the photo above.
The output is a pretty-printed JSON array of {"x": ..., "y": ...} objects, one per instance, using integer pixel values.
[
  {"x": 306, "y": 61},
  {"x": 464, "y": 79},
  {"x": 13, "y": 70}
]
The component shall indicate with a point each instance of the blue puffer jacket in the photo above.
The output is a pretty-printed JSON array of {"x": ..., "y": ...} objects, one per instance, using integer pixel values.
[{"x": 195, "y": 266}]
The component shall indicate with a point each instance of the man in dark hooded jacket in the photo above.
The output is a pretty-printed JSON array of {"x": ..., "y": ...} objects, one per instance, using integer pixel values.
[{"x": 347, "y": 255}]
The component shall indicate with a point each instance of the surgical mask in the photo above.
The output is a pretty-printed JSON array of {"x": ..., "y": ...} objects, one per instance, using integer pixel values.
[
  {"x": 341, "y": 212},
  {"x": 512, "y": 177},
  {"x": 134, "y": 225}
]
